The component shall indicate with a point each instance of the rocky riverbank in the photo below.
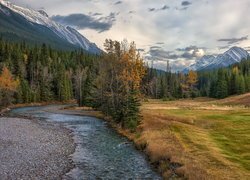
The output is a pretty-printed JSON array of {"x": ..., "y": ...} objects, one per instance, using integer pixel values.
[{"x": 31, "y": 149}]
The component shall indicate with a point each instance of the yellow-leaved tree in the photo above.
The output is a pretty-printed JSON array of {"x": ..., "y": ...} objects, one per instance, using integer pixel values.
[
  {"x": 119, "y": 81},
  {"x": 133, "y": 68},
  {"x": 132, "y": 72},
  {"x": 191, "y": 81},
  {"x": 8, "y": 85}
]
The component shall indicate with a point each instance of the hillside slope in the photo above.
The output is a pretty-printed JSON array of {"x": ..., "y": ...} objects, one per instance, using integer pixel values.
[
  {"x": 243, "y": 99},
  {"x": 35, "y": 27},
  {"x": 209, "y": 62}
]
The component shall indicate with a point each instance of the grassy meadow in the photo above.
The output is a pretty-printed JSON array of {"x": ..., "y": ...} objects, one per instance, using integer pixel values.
[{"x": 197, "y": 139}]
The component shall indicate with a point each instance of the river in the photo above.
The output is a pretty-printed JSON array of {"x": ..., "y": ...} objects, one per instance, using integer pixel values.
[{"x": 101, "y": 153}]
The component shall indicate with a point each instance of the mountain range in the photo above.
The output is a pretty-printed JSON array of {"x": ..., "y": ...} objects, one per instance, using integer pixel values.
[
  {"x": 36, "y": 27},
  {"x": 208, "y": 62}
]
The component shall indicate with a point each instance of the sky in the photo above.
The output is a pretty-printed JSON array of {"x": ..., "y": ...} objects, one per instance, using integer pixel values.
[{"x": 177, "y": 31}]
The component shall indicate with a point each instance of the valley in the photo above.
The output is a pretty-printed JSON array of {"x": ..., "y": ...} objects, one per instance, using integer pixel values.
[{"x": 80, "y": 99}]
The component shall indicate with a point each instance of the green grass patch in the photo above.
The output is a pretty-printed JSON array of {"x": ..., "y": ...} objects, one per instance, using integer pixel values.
[{"x": 230, "y": 130}]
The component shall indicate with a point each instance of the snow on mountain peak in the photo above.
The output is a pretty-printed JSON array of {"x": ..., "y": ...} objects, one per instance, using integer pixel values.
[
  {"x": 231, "y": 56},
  {"x": 41, "y": 17}
]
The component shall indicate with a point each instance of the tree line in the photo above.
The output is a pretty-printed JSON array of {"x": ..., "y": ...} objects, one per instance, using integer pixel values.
[
  {"x": 217, "y": 83},
  {"x": 114, "y": 82},
  {"x": 109, "y": 82},
  {"x": 225, "y": 82}
]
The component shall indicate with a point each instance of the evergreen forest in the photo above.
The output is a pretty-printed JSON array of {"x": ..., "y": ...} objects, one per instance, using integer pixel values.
[{"x": 114, "y": 82}]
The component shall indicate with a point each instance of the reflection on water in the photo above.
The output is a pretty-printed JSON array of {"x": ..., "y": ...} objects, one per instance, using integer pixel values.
[{"x": 100, "y": 152}]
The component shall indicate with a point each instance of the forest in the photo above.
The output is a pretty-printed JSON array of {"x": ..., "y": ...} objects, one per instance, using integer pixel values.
[
  {"x": 218, "y": 83},
  {"x": 114, "y": 82}
]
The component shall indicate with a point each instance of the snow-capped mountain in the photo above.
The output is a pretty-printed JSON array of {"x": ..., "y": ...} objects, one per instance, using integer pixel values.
[
  {"x": 201, "y": 63},
  {"x": 231, "y": 56},
  {"x": 41, "y": 18}
]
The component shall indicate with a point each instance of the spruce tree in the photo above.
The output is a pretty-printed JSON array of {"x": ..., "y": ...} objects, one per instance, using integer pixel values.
[{"x": 222, "y": 85}]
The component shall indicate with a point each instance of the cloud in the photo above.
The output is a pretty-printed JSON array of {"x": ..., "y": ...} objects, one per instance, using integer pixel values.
[
  {"x": 176, "y": 65},
  {"x": 192, "y": 52},
  {"x": 192, "y": 47},
  {"x": 151, "y": 9},
  {"x": 186, "y": 3},
  {"x": 178, "y": 58},
  {"x": 155, "y": 47},
  {"x": 247, "y": 48},
  {"x": 223, "y": 47},
  {"x": 160, "y": 43},
  {"x": 159, "y": 54},
  {"x": 118, "y": 2},
  {"x": 96, "y": 14},
  {"x": 141, "y": 50},
  {"x": 233, "y": 40},
  {"x": 82, "y": 21},
  {"x": 181, "y": 9},
  {"x": 132, "y": 12},
  {"x": 198, "y": 53},
  {"x": 164, "y": 7},
  {"x": 179, "y": 65}
]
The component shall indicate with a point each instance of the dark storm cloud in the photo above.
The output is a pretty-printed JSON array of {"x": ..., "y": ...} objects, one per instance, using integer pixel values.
[
  {"x": 161, "y": 54},
  {"x": 187, "y": 53},
  {"x": 82, "y": 21},
  {"x": 189, "y": 48},
  {"x": 181, "y": 9},
  {"x": 186, "y": 3},
  {"x": 233, "y": 40},
  {"x": 118, "y": 2},
  {"x": 132, "y": 12},
  {"x": 151, "y": 9},
  {"x": 96, "y": 14},
  {"x": 141, "y": 50},
  {"x": 165, "y": 7},
  {"x": 190, "y": 52},
  {"x": 155, "y": 47},
  {"x": 224, "y": 47}
]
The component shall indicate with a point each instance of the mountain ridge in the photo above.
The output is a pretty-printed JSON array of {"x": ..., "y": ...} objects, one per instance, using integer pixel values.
[
  {"x": 14, "y": 17},
  {"x": 208, "y": 62}
]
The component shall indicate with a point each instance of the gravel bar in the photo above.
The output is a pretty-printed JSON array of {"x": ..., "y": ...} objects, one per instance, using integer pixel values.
[{"x": 30, "y": 149}]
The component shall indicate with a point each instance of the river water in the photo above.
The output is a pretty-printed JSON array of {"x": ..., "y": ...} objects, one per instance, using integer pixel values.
[{"x": 100, "y": 153}]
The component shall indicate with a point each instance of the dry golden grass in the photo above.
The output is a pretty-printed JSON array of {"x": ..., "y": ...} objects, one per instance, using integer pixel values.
[
  {"x": 176, "y": 133},
  {"x": 243, "y": 99}
]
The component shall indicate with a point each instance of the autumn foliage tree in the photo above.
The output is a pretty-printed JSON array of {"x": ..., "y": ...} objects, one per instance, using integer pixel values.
[
  {"x": 118, "y": 82},
  {"x": 8, "y": 85},
  {"x": 191, "y": 82},
  {"x": 133, "y": 71}
]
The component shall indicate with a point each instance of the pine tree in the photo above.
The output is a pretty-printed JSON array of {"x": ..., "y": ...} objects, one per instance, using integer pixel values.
[
  {"x": 240, "y": 85},
  {"x": 247, "y": 83},
  {"x": 222, "y": 85}
]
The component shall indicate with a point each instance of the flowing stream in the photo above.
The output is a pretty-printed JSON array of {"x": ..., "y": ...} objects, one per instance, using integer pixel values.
[{"x": 100, "y": 153}]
